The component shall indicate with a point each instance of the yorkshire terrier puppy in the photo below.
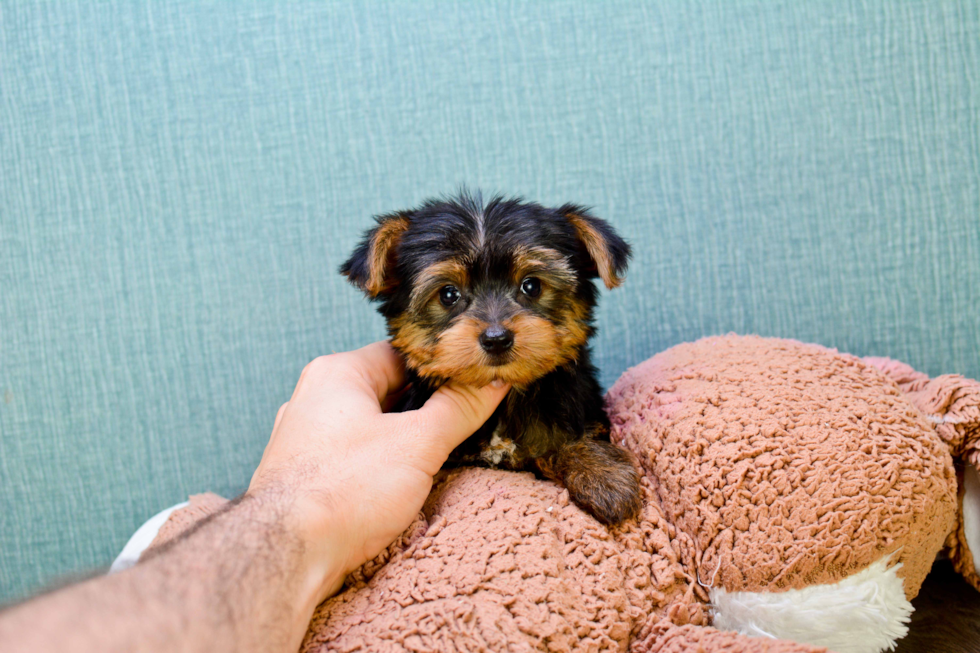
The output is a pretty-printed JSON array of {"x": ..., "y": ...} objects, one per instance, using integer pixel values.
[{"x": 475, "y": 292}]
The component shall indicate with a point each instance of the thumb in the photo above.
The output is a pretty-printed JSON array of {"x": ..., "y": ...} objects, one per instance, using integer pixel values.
[{"x": 454, "y": 412}]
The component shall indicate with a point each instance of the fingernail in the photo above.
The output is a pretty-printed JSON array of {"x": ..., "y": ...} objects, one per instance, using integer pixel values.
[{"x": 498, "y": 383}]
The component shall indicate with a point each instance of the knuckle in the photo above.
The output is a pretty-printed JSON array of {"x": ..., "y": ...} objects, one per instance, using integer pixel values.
[
  {"x": 320, "y": 367},
  {"x": 322, "y": 363}
]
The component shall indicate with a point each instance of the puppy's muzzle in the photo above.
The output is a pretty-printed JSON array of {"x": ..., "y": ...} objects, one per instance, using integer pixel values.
[{"x": 497, "y": 340}]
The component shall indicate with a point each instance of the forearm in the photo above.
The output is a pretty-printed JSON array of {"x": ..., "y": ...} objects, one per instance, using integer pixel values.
[
  {"x": 338, "y": 481},
  {"x": 241, "y": 582}
]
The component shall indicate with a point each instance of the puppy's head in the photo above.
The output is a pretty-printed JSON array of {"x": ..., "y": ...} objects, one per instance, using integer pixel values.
[{"x": 476, "y": 292}]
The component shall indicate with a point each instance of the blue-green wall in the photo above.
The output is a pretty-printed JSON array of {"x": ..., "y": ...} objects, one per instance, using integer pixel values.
[{"x": 179, "y": 182}]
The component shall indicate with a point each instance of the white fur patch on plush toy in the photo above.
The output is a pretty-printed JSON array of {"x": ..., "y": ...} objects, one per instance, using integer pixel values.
[
  {"x": 971, "y": 512},
  {"x": 864, "y": 613}
]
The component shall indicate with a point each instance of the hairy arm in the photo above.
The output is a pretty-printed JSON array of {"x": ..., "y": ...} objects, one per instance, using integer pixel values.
[
  {"x": 339, "y": 480},
  {"x": 241, "y": 581}
]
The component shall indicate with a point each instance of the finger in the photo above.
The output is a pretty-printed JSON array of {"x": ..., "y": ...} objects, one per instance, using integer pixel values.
[
  {"x": 454, "y": 412},
  {"x": 282, "y": 409},
  {"x": 381, "y": 366},
  {"x": 374, "y": 370}
]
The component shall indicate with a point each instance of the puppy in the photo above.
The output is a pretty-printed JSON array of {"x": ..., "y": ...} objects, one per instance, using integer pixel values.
[{"x": 475, "y": 292}]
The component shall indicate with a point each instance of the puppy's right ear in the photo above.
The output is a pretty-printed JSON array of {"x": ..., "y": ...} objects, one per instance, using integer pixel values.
[{"x": 372, "y": 265}]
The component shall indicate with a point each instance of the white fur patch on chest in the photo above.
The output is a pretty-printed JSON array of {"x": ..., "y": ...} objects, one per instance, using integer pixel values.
[
  {"x": 499, "y": 450},
  {"x": 863, "y": 613}
]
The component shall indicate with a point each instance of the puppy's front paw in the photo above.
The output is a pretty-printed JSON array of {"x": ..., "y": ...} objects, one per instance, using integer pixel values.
[{"x": 601, "y": 479}]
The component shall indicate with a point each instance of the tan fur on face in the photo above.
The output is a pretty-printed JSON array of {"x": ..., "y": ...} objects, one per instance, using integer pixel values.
[
  {"x": 572, "y": 330},
  {"x": 381, "y": 253},
  {"x": 557, "y": 286},
  {"x": 595, "y": 244},
  {"x": 457, "y": 354},
  {"x": 543, "y": 262},
  {"x": 539, "y": 347},
  {"x": 434, "y": 277},
  {"x": 410, "y": 338}
]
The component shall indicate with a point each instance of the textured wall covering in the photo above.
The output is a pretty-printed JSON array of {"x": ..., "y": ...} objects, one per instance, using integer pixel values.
[{"x": 179, "y": 181}]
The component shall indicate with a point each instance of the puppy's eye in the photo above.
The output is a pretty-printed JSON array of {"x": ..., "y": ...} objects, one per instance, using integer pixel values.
[
  {"x": 531, "y": 287},
  {"x": 448, "y": 296}
]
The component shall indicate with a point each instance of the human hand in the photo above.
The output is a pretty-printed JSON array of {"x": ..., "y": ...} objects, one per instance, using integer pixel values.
[{"x": 348, "y": 478}]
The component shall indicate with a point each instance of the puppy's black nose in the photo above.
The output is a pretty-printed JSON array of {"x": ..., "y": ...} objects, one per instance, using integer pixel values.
[{"x": 496, "y": 339}]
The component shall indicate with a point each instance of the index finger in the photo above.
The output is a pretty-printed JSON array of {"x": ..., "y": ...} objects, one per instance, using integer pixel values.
[{"x": 381, "y": 366}]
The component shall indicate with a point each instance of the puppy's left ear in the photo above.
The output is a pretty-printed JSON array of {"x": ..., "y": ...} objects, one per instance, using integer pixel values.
[
  {"x": 609, "y": 253},
  {"x": 372, "y": 265}
]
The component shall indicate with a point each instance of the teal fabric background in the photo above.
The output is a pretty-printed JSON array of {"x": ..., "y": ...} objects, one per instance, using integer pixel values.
[{"x": 179, "y": 182}]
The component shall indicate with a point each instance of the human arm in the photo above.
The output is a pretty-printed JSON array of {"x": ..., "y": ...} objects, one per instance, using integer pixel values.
[{"x": 338, "y": 481}]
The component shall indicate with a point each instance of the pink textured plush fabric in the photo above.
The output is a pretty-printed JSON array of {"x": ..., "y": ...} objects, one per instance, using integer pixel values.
[
  {"x": 952, "y": 403},
  {"x": 788, "y": 464},
  {"x": 502, "y": 561},
  {"x": 768, "y": 464},
  {"x": 499, "y": 559}
]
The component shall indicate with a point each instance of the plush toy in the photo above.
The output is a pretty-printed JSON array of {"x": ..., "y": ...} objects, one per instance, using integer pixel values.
[{"x": 794, "y": 498}]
